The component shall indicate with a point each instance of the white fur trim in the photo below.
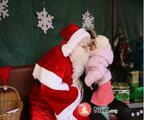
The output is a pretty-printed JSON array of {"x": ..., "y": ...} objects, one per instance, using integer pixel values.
[
  {"x": 101, "y": 41},
  {"x": 49, "y": 78},
  {"x": 67, "y": 113},
  {"x": 73, "y": 41}
]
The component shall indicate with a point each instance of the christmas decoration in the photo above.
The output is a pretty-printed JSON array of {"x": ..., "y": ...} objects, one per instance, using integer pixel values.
[
  {"x": 132, "y": 114},
  {"x": 84, "y": 109},
  {"x": 134, "y": 78},
  {"x": 3, "y": 9},
  {"x": 136, "y": 94},
  {"x": 137, "y": 90},
  {"x": 137, "y": 113},
  {"x": 88, "y": 20},
  {"x": 122, "y": 52},
  {"x": 44, "y": 20},
  {"x": 121, "y": 91},
  {"x": 141, "y": 111}
]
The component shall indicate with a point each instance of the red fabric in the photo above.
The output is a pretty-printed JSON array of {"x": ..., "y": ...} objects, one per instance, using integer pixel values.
[
  {"x": 68, "y": 31},
  {"x": 4, "y": 73},
  {"x": 59, "y": 100},
  {"x": 40, "y": 109},
  {"x": 55, "y": 62},
  {"x": 103, "y": 95},
  {"x": 79, "y": 117}
]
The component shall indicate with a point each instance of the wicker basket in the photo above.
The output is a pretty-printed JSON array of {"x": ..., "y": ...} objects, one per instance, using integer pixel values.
[{"x": 10, "y": 103}]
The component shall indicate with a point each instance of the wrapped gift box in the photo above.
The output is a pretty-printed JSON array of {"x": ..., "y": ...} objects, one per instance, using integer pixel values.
[
  {"x": 136, "y": 87},
  {"x": 121, "y": 92},
  {"x": 136, "y": 94}
]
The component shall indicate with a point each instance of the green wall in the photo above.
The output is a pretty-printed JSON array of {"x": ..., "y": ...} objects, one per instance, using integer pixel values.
[
  {"x": 22, "y": 42},
  {"x": 130, "y": 18}
]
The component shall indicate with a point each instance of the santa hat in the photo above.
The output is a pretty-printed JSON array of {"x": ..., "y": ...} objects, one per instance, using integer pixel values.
[
  {"x": 72, "y": 36},
  {"x": 4, "y": 73},
  {"x": 101, "y": 41}
]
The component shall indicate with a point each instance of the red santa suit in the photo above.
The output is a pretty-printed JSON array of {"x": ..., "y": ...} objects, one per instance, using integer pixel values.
[{"x": 57, "y": 97}]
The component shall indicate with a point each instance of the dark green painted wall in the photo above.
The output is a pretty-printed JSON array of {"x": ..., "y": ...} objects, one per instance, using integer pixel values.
[{"x": 22, "y": 42}]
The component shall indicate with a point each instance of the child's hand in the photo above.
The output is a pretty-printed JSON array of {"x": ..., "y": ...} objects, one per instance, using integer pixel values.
[{"x": 88, "y": 82}]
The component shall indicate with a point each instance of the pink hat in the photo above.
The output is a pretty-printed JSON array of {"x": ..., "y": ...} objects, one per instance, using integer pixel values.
[{"x": 72, "y": 35}]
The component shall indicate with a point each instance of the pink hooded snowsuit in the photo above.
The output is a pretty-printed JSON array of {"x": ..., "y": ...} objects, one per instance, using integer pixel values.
[{"x": 96, "y": 71}]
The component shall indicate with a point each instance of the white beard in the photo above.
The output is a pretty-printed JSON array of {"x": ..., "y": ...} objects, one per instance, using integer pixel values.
[{"x": 79, "y": 58}]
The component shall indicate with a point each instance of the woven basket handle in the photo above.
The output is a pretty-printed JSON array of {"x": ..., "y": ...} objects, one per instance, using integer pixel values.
[{"x": 6, "y": 86}]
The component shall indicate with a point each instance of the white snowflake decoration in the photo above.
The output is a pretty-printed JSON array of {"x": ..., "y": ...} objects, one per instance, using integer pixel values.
[
  {"x": 44, "y": 20},
  {"x": 88, "y": 20},
  {"x": 3, "y": 9}
]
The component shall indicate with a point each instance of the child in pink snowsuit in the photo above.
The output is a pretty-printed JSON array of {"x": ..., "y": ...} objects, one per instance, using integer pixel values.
[{"x": 101, "y": 56}]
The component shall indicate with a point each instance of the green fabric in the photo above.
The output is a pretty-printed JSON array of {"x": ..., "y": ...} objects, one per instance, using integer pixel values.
[
  {"x": 121, "y": 91},
  {"x": 16, "y": 38},
  {"x": 22, "y": 42},
  {"x": 130, "y": 18},
  {"x": 137, "y": 94}
]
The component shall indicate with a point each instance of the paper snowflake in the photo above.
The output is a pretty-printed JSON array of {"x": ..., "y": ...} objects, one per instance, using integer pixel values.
[
  {"x": 88, "y": 20},
  {"x": 44, "y": 20},
  {"x": 3, "y": 9}
]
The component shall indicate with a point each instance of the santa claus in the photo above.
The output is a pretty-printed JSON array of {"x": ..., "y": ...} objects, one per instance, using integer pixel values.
[{"x": 58, "y": 71}]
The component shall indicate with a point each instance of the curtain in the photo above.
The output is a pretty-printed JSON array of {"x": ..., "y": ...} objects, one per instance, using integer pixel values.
[
  {"x": 23, "y": 43},
  {"x": 130, "y": 18}
]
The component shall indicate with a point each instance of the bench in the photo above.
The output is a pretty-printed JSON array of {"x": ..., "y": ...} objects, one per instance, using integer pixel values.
[{"x": 21, "y": 78}]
